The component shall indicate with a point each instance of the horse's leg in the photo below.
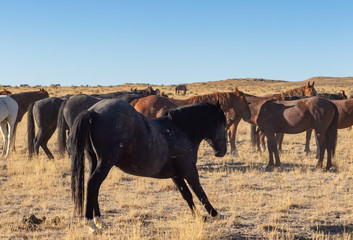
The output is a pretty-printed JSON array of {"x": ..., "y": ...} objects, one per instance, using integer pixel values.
[
  {"x": 185, "y": 192},
  {"x": 14, "y": 136},
  {"x": 272, "y": 150},
  {"x": 45, "y": 140},
  {"x": 93, "y": 185},
  {"x": 279, "y": 141},
  {"x": 329, "y": 158},
  {"x": 232, "y": 135},
  {"x": 321, "y": 143},
  {"x": 194, "y": 182},
  {"x": 262, "y": 141},
  {"x": 317, "y": 147},
  {"x": 307, "y": 142},
  {"x": 3, "y": 127},
  {"x": 253, "y": 135}
]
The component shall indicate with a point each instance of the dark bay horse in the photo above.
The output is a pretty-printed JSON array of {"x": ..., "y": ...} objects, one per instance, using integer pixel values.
[
  {"x": 73, "y": 106},
  {"x": 232, "y": 103},
  {"x": 331, "y": 96},
  {"x": 297, "y": 116},
  {"x": 181, "y": 88},
  {"x": 45, "y": 113},
  {"x": 305, "y": 90},
  {"x": 345, "y": 119},
  {"x": 113, "y": 133},
  {"x": 23, "y": 100},
  {"x": 334, "y": 96}
]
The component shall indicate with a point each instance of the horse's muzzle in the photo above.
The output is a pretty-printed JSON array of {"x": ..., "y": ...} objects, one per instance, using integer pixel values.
[{"x": 221, "y": 153}]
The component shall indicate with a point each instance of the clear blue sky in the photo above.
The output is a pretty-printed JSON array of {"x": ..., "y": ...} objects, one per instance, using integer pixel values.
[{"x": 167, "y": 42}]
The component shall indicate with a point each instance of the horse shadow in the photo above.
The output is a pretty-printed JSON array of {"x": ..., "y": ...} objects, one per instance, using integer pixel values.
[
  {"x": 244, "y": 167},
  {"x": 333, "y": 229}
]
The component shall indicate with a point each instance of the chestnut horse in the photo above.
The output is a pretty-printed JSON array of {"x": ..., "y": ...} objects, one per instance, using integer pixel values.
[
  {"x": 297, "y": 116},
  {"x": 232, "y": 103},
  {"x": 5, "y": 92}
]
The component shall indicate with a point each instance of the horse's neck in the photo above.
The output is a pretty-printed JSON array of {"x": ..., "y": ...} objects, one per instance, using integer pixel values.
[{"x": 255, "y": 107}]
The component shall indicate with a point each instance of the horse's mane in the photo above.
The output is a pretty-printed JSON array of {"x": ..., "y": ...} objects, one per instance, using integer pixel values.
[
  {"x": 196, "y": 119},
  {"x": 225, "y": 99}
]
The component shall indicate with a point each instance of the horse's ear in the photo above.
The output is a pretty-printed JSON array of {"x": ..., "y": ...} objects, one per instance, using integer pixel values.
[
  {"x": 313, "y": 84},
  {"x": 217, "y": 104},
  {"x": 309, "y": 84},
  {"x": 237, "y": 91}
]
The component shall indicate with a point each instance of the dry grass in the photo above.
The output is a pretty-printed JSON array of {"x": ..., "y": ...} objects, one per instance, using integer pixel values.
[{"x": 296, "y": 201}]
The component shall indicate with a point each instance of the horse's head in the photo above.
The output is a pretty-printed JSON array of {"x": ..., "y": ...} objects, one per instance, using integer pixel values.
[
  {"x": 44, "y": 92},
  {"x": 241, "y": 106},
  {"x": 343, "y": 95},
  {"x": 5, "y": 92},
  {"x": 309, "y": 90},
  {"x": 218, "y": 136}
]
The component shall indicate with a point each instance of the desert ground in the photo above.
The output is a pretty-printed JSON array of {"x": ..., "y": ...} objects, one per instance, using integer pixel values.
[{"x": 295, "y": 201}]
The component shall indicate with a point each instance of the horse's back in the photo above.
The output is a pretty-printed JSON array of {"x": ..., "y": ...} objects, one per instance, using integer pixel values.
[
  {"x": 8, "y": 108},
  {"x": 152, "y": 106},
  {"x": 77, "y": 104},
  {"x": 46, "y": 110},
  {"x": 130, "y": 135}
]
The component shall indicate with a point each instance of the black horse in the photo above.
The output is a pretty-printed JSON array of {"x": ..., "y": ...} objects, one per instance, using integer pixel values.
[
  {"x": 113, "y": 133},
  {"x": 73, "y": 106},
  {"x": 181, "y": 88},
  {"x": 45, "y": 113}
]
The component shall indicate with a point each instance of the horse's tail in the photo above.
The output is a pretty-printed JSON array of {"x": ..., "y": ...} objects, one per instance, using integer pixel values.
[
  {"x": 30, "y": 130},
  {"x": 62, "y": 127},
  {"x": 332, "y": 133},
  {"x": 253, "y": 135},
  {"x": 77, "y": 140}
]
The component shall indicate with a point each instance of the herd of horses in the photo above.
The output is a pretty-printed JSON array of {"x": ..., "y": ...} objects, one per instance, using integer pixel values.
[{"x": 146, "y": 133}]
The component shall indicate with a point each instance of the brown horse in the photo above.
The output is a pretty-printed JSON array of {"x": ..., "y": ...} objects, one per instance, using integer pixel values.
[
  {"x": 23, "y": 100},
  {"x": 331, "y": 96},
  {"x": 295, "y": 117},
  {"x": 306, "y": 90},
  {"x": 5, "y": 92},
  {"x": 232, "y": 103},
  {"x": 345, "y": 119}
]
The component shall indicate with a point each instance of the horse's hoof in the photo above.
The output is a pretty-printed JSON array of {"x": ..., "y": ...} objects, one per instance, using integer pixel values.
[
  {"x": 331, "y": 169},
  {"x": 99, "y": 223},
  {"x": 92, "y": 228},
  {"x": 234, "y": 153},
  {"x": 269, "y": 168}
]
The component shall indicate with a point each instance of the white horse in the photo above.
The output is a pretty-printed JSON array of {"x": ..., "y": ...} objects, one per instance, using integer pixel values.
[{"x": 8, "y": 114}]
